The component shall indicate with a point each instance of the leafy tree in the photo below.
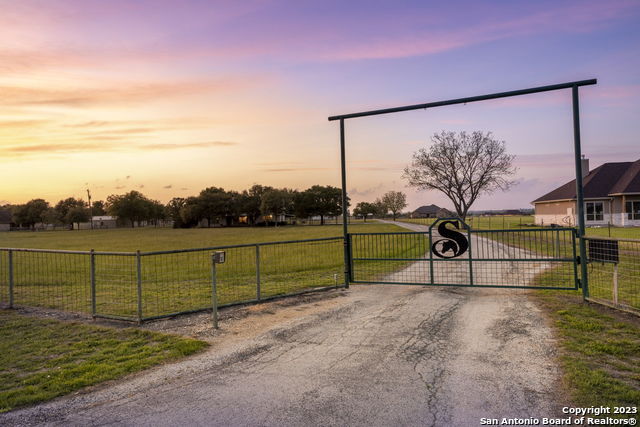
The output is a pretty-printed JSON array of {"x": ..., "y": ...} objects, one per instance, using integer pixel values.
[
  {"x": 132, "y": 206},
  {"x": 251, "y": 200},
  {"x": 234, "y": 208},
  {"x": 77, "y": 215},
  {"x": 322, "y": 201},
  {"x": 30, "y": 213},
  {"x": 156, "y": 211},
  {"x": 381, "y": 208},
  {"x": 173, "y": 210},
  {"x": 462, "y": 166},
  {"x": 278, "y": 202},
  {"x": 303, "y": 204},
  {"x": 50, "y": 216},
  {"x": 394, "y": 201},
  {"x": 190, "y": 213},
  {"x": 63, "y": 207},
  {"x": 214, "y": 203},
  {"x": 98, "y": 208},
  {"x": 364, "y": 209}
]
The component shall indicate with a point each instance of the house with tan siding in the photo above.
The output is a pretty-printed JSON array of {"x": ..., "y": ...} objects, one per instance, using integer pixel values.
[{"x": 611, "y": 195}]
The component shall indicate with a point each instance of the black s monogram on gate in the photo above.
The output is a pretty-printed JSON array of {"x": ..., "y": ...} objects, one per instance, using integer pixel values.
[{"x": 454, "y": 243}]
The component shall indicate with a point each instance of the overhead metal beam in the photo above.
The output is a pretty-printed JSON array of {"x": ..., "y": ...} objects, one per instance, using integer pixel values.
[{"x": 466, "y": 100}]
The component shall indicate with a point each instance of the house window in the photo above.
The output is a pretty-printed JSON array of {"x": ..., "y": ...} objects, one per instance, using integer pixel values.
[
  {"x": 595, "y": 211},
  {"x": 632, "y": 209}
]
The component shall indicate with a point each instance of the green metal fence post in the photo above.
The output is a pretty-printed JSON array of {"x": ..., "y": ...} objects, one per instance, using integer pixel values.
[
  {"x": 584, "y": 280},
  {"x": 430, "y": 243},
  {"x": 139, "y": 282},
  {"x": 10, "y": 278},
  {"x": 92, "y": 275},
  {"x": 345, "y": 218},
  {"x": 258, "y": 290},
  {"x": 350, "y": 258},
  {"x": 214, "y": 293},
  {"x": 470, "y": 257}
]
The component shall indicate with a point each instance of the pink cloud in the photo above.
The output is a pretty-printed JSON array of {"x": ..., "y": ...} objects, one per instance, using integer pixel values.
[
  {"x": 121, "y": 93},
  {"x": 577, "y": 18}
]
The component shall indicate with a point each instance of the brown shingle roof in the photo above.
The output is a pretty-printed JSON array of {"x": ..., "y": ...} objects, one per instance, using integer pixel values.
[
  {"x": 431, "y": 209},
  {"x": 630, "y": 181},
  {"x": 609, "y": 178}
]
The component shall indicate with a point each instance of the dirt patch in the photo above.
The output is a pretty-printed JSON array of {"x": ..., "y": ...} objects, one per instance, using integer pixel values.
[
  {"x": 241, "y": 321},
  {"x": 46, "y": 313},
  {"x": 244, "y": 321}
]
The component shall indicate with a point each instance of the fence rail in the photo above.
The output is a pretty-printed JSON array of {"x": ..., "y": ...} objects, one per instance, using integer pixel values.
[
  {"x": 139, "y": 286},
  {"x": 614, "y": 272}
]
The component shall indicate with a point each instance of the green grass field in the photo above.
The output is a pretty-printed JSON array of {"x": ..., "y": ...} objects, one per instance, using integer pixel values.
[
  {"x": 172, "y": 283},
  {"x": 484, "y": 222},
  {"x": 43, "y": 358},
  {"x": 600, "y": 351},
  {"x": 155, "y": 239},
  {"x": 616, "y": 232}
]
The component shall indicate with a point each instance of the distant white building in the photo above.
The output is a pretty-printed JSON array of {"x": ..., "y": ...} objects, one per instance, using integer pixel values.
[{"x": 99, "y": 222}]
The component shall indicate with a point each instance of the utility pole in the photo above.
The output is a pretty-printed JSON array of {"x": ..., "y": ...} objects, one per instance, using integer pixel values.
[{"x": 90, "y": 210}]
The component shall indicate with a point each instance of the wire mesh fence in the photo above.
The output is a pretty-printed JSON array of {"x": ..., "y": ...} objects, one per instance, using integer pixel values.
[
  {"x": 139, "y": 286},
  {"x": 115, "y": 286},
  {"x": 4, "y": 278},
  {"x": 46, "y": 278},
  {"x": 614, "y": 272}
]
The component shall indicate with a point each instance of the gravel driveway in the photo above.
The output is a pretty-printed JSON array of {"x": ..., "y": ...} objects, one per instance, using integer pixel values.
[{"x": 374, "y": 355}]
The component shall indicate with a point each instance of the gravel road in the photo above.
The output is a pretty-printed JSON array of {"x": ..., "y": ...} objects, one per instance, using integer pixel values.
[{"x": 374, "y": 355}]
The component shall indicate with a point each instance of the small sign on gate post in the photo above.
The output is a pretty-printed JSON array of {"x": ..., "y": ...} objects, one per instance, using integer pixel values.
[{"x": 218, "y": 257}]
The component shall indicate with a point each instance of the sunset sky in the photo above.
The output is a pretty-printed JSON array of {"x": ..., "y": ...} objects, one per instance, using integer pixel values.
[{"x": 170, "y": 97}]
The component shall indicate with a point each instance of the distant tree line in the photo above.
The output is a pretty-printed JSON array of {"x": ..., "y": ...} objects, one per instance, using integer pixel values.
[
  {"x": 214, "y": 205},
  {"x": 391, "y": 202}
]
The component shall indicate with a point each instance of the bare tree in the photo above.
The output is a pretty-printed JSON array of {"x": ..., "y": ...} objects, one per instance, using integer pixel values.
[
  {"x": 394, "y": 201},
  {"x": 462, "y": 166}
]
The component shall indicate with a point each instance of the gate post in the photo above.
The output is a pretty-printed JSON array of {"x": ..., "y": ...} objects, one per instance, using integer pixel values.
[
  {"x": 258, "y": 290},
  {"x": 584, "y": 280},
  {"x": 92, "y": 276},
  {"x": 345, "y": 219},
  {"x": 214, "y": 292},
  {"x": 139, "y": 285},
  {"x": 10, "y": 278}
]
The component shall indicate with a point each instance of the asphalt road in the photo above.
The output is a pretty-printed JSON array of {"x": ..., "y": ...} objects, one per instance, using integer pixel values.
[{"x": 379, "y": 355}]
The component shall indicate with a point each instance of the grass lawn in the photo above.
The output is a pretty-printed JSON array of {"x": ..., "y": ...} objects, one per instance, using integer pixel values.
[
  {"x": 172, "y": 283},
  {"x": 617, "y": 232},
  {"x": 484, "y": 222},
  {"x": 152, "y": 239},
  {"x": 43, "y": 358},
  {"x": 600, "y": 351}
]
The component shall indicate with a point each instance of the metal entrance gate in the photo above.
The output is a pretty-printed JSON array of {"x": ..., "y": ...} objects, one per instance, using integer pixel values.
[{"x": 453, "y": 254}]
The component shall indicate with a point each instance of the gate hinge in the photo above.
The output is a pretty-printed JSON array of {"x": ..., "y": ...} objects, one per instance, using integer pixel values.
[
  {"x": 579, "y": 284},
  {"x": 578, "y": 260}
]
